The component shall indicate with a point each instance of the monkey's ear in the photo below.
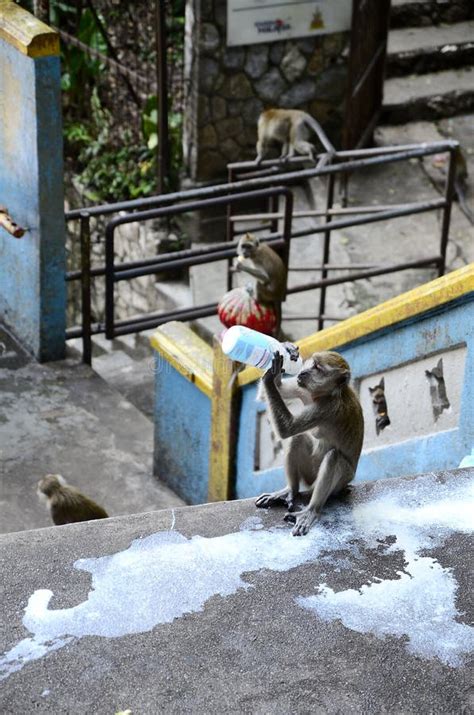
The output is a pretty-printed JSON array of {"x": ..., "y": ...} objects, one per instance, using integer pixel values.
[{"x": 344, "y": 377}]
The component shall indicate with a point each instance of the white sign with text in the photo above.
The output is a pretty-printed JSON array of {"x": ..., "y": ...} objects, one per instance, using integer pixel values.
[{"x": 253, "y": 21}]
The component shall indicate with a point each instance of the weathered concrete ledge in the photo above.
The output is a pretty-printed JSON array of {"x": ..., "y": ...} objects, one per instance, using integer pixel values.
[{"x": 218, "y": 608}]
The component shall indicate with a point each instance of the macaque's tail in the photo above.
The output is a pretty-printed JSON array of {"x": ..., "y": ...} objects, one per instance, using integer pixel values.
[{"x": 318, "y": 130}]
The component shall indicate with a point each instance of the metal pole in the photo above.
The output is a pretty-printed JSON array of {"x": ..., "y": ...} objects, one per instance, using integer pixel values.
[
  {"x": 326, "y": 246},
  {"x": 448, "y": 195},
  {"x": 162, "y": 95},
  {"x": 230, "y": 233},
  {"x": 86, "y": 288}
]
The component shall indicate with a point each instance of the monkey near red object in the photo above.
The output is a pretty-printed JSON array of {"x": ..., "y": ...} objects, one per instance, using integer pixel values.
[{"x": 239, "y": 307}]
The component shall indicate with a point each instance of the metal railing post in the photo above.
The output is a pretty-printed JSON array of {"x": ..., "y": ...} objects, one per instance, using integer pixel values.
[
  {"x": 326, "y": 249},
  {"x": 86, "y": 288},
  {"x": 448, "y": 195},
  {"x": 229, "y": 232}
]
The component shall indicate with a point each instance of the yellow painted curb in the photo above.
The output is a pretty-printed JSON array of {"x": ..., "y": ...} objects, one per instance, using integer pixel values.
[
  {"x": 29, "y": 35},
  {"x": 405, "y": 306},
  {"x": 186, "y": 352}
]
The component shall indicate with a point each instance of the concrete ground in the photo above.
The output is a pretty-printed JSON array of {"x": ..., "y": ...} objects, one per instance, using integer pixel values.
[
  {"x": 217, "y": 608},
  {"x": 63, "y": 418},
  {"x": 394, "y": 241}
]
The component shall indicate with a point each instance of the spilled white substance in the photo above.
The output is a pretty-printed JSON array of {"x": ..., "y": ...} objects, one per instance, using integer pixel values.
[
  {"x": 157, "y": 579},
  {"x": 165, "y": 575},
  {"x": 252, "y": 522},
  {"x": 420, "y": 604}
]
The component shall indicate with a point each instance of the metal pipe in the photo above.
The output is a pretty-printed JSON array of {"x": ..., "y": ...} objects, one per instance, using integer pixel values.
[
  {"x": 230, "y": 234},
  {"x": 275, "y": 240},
  {"x": 86, "y": 288},
  {"x": 313, "y": 317},
  {"x": 345, "y": 153},
  {"x": 110, "y": 276},
  {"x": 123, "y": 328},
  {"x": 76, "y": 332},
  {"x": 277, "y": 179},
  {"x": 382, "y": 270},
  {"x": 409, "y": 209},
  {"x": 421, "y": 207},
  {"x": 448, "y": 197},
  {"x": 307, "y": 214},
  {"x": 9, "y": 224},
  {"x": 172, "y": 264},
  {"x": 326, "y": 249},
  {"x": 333, "y": 267}
]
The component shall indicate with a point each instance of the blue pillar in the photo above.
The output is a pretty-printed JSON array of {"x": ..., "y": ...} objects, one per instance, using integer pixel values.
[{"x": 32, "y": 268}]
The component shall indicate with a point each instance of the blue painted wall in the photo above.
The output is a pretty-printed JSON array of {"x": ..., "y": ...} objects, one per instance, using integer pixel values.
[
  {"x": 449, "y": 326},
  {"x": 182, "y": 433},
  {"x": 32, "y": 269}
]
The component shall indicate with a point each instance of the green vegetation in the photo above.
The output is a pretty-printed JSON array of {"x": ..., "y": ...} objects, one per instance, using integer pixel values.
[{"x": 110, "y": 128}]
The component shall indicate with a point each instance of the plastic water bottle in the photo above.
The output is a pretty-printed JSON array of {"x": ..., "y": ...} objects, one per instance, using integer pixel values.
[{"x": 253, "y": 348}]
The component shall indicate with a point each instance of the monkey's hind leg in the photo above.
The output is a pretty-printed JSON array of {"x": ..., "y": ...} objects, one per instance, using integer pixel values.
[
  {"x": 299, "y": 446},
  {"x": 285, "y": 151},
  {"x": 334, "y": 474}
]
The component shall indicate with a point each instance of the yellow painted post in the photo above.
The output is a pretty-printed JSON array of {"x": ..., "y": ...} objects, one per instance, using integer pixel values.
[
  {"x": 25, "y": 32},
  {"x": 224, "y": 412}
]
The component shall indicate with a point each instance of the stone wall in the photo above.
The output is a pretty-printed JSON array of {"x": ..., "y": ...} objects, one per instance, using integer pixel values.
[
  {"x": 228, "y": 87},
  {"x": 133, "y": 242}
]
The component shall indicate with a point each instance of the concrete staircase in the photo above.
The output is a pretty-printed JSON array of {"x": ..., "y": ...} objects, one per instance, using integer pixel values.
[
  {"x": 430, "y": 61},
  {"x": 63, "y": 418}
]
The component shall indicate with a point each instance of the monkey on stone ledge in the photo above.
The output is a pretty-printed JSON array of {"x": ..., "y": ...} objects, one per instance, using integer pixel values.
[{"x": 324, "y": 442}]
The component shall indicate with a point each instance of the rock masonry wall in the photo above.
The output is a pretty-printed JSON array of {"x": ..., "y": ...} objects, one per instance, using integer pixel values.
[{"x": 228, "y": 87}]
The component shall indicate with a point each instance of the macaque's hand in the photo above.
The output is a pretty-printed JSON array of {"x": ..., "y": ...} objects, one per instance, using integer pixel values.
[
  {"x": 274, "y": 372},
  {"x": 292, "y": 350}
]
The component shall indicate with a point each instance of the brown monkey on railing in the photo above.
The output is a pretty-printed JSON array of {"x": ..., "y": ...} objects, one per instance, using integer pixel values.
[
  {"x": 265, "y": 265},
  {"x": 288, "y": 127},
  {"x": 324, "y": 441},
  {"x": 66, "y": 504}
]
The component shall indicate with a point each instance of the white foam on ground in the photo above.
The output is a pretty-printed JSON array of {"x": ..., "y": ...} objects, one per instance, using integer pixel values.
[
  {"x": 165, "y": 575},
  {"x": 421, "y": 603}
]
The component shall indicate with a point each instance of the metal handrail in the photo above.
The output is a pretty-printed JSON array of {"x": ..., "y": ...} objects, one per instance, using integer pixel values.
[{"x": 268, "y": 180}]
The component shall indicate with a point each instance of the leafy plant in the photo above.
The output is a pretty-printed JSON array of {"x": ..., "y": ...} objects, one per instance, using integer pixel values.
[{"x": 108, "y": 161}]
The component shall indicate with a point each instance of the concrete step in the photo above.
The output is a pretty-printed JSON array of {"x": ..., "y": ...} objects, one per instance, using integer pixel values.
[
  {"x": 429, "y": 96},
  {"x": 410, "y": 13},
  {"x": 419, "y": 50}
]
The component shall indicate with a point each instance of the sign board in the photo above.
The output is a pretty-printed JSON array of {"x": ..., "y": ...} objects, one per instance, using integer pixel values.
[{"x": 253, "y": 21}]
